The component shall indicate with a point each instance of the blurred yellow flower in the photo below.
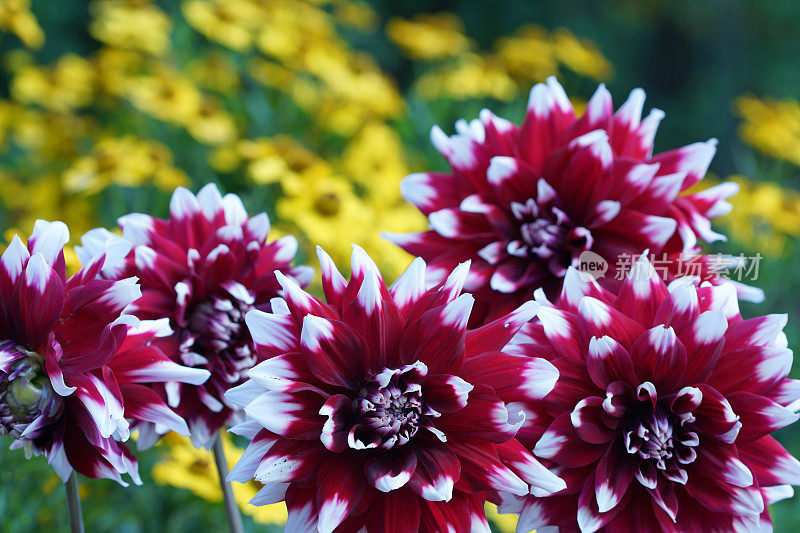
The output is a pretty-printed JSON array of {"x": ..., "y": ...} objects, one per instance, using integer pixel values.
[
  {"x": 43, "y": 133},
  {"x": 211, "y": 124},
  {"x": 16, "y": 18},
  {"x": 51, "y": 202},
  {"x": 515, "y": 63},
  {"x": 125, "y": 161},
  {"x": 765, "y": 216},
  {"x": 279, "y": 159},
  {"x": 771, "y": 126},
  {"x": 429, "y": 36},
  {"x": 132, "y": 24},
  {"x": 528, "y": 55},
  {"x": 374, "y": 159},
  {"x": 215, "y": 71},
  {"x": 270, "y": 74},
  {"x": 580, "y": 55},
  {"x": 187, "y": 467},
  {"x": 166, "y": 95},
  {"x": 355, "y": 13},
  {"x": 340, "y": 88},
  {"x": 472, "y": 76},
  {"x": 328, "y": 212},
  {"x": 115, "y": 68},
  {"x": 228, "y": 22},
  {"x": 291, "y": 29},
  {"x": 66, "y": 85}
]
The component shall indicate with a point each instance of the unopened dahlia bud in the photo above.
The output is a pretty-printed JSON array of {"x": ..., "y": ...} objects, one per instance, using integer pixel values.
[{"x": 27, "y": 400}]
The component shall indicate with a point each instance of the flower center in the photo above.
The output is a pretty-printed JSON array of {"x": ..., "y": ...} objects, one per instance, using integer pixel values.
[
  {"x": 389, "y": 410},
  {"x": 217, "y": 335},
  {"x": 547, "y": 234},
  {"x": 26, "y": 394},
  {"x": 663, "y": 443},
  {"x": 327, "y": 204}
]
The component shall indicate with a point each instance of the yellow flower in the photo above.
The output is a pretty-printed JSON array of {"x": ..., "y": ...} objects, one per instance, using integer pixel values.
[
  {"x": 45, "y": 134},
  {"x": 16, "y": 17},
  {"x": 212, "y": 124},
  {"x": 279, "y": 159},
  {"x": 527, "y": 55},
  {"x": 505, "y": 523},
  {"x": 216, "y": 72},
  {"x": 166, "y": 95},
  {"x": 291, "y": 28},
  {"x": 771, "y": 126},
  {"x": 473, "y": 76},
  {"x": 187, "y": 467},
  {"x": 270, "y": 74},
  {"x": 355, "y": 14},
  {"x": 124, "y": 161},
  {"x": 764, "y": 218},
  {"x": 115, "y": 68},
  {"x": 580, "y": 55},
  {"x": 45, "y": 197},
  {"x": 429, "y": 37},
  {"x": 361, "y": 82},
  {"x": 374, "y": 159},
  {"x": 132, "y": 24},
  {"x": 228, "y": 22},
  {"x": 339, "y": 88},
  {"x": 66, "y": 85},
  {"x": 328, "y": 212}
]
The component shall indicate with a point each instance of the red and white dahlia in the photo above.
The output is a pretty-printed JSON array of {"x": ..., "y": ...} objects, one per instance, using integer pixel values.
[
  {"x": 523, "y": 203},
  {"x": 662, "y": 414},
  {"x": 75, "y": 370},
  {"x": 203, "y": 269},
  {"x": 378, "y": 411}
]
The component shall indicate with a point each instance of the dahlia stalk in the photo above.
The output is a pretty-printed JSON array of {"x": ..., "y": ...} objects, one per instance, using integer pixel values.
[
  {"x": 378, "y": 411},
  {"x": 523, "y": 203},
  {"x": 202, "y": 270},
  {"x": 662, "y": 414},
  {"x": 74, "y": 504},
  {"x": 76, "y": 371}
]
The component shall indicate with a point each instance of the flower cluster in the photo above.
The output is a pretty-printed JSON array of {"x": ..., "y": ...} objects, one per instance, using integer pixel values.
[
  {"x": 494, "y": 372},
  {"x": 77, "y": 371},
  {"x": 460, "y": 71},
  {"x": 378, "y": 409},
  {"x": 524, "y": 203},
  {"x": 772, "y": 126},
  {"x": 203, "y": 270},
  {"x": 661, "y": 415}
]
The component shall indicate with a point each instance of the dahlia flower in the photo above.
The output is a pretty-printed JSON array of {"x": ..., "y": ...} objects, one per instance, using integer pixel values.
[
  {"x": 523, "y": 203},
  {"x": 662, "y": 414},
  {"x": 378, "y": 411},
  {"x": 75, "y": 370},
  {"x": 203, "y": 269}
]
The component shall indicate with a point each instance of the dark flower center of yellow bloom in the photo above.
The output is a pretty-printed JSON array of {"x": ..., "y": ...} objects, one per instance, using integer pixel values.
[
  {"x": 106, "y": 162},
  {"x": 200, "y": 466},
  {"x": 328, "y": 204},
  {"x": 167, "y": 92}
]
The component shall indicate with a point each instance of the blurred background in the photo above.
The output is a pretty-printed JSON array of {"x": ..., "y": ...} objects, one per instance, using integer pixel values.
[{"x": 313, "y": 110}]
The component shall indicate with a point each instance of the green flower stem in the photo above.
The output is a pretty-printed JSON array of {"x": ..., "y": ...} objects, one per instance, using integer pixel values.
[
  {"x": 231, "y": 507},
  {"x": 74, "y": 502}
]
